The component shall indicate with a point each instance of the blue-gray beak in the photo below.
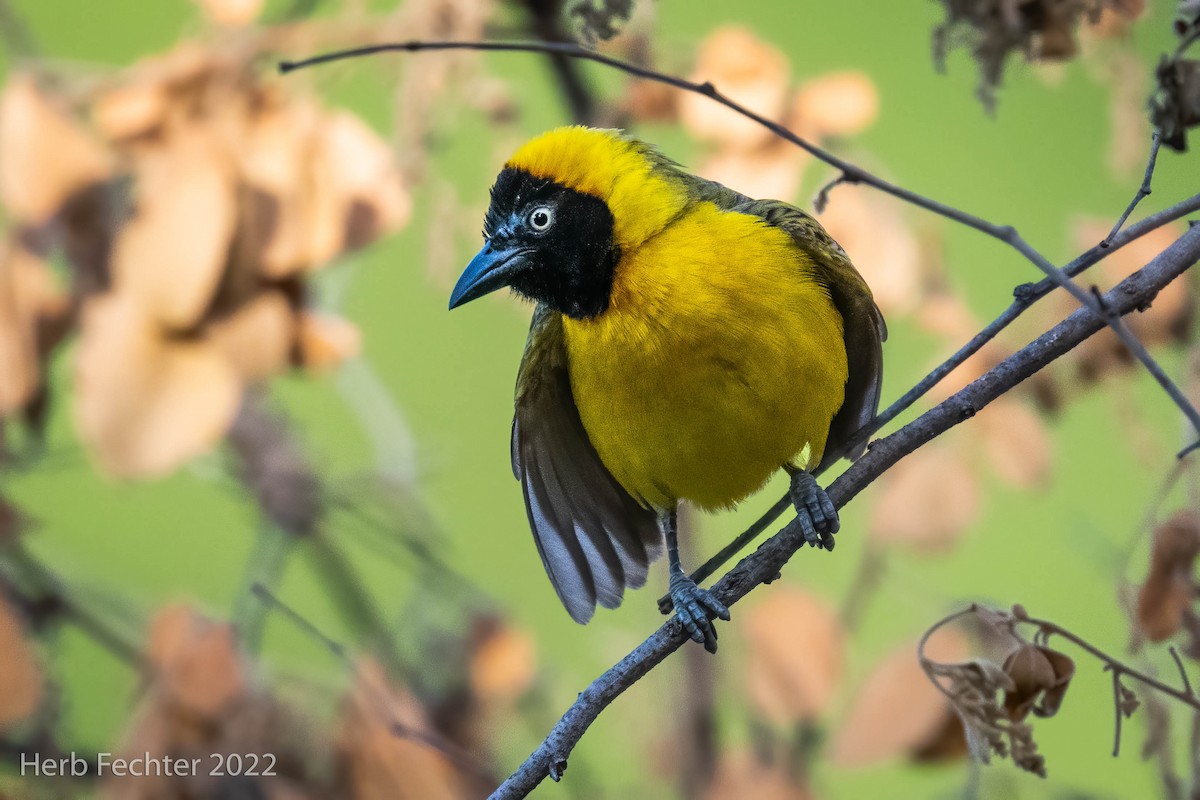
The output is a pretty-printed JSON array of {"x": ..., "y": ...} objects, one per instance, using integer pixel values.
[{"x": 489, "y": 270}]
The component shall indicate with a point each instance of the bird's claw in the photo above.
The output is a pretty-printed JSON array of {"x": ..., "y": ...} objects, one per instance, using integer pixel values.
[
  {"x": 697, "y": 608},
  {"x": 814, "y": 511}
]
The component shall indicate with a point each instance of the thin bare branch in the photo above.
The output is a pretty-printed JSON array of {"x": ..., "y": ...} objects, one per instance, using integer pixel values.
[
  {"x": 1183, "y": 676},
  {"x": 822, "y": 198},
  {"x": 1118, "y": 715},
  {"x": 1143, "y": 191}
]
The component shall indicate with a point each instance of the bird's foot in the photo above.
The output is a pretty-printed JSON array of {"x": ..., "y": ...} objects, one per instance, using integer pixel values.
[
  {"x": 697, "y": 609},
  {"x": 814, "y": 510}
]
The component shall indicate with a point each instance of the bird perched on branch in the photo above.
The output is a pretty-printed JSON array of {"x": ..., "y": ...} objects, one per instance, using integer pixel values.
[{"x": 688, "y": 341}]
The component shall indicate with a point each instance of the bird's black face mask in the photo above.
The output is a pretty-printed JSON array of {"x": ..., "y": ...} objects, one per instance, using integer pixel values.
[{"x": 549, "y": 243}]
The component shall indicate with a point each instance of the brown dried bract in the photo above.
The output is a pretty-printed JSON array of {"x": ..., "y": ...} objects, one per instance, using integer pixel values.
[
  {"x": 927, "y": 500},
  {"x": 1170, "y": 586},
  {"x": 795, "y": 657},
  {"x": 46, "y": 155},
  {"x": 172, "y": 254},
  {"x": 21, "y": 684},
  {"x": 503, "y": 662},
  {"x": 232, "y": 13},
  {"x": 201, "y": 697},
  {"x": 745, "y": 69},
  {"x": 32, "y": 308},
  {"x": 145, "y": 403},
  {"x": 898, "y": 711},
  {"x": 1040, "y": 677},
  {"x": 195, "y": 663},
  {"x": 740, "y": 775},
  {"x": 1015, "y": 442},
  {"x": 879, "y": 241},
  {"x": 257, "y": 339},
  {"x": 837, "y": 104},
  {"x": 384, "y": 748},
  {"x": 325, "y": 341}
]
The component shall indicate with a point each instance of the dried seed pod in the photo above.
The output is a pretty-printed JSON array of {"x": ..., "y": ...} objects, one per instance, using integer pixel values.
[
  {"x": 1175, "y": 106},
  {"x": 1040, "y": 678}
]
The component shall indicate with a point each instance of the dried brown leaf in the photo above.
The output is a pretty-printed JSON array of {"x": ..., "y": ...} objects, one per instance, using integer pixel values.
[
  {"x": 131, "y": 110},
  {"x": 1117, "y": 20},
  {"x": 45, "y": 154},
  {"x": 1166, "y": 595},
  {"x": 326, "y": 341},
  {"x": 320, "y": 185},
  {"x": 745, "y": 69},
  {"x": 651, "y": 101},
  {"x": 836, "y": 104},
  {"x": 167, "y": 92},
  {"x": 1015, "y": 443},
  {"x": 898, "y": 711},
  {"x": 232, "y": 13},
  {"x": 879, "y": 242},
  {"x": 927, "y": 500},
  {"x": 741, "y": 776},
  {"x": 21, "y": 683},
  {"x": 503, "y": 665},
  {"x": 257, "y": 339},
  {"x": 30, "y": 299},
  {"x": 274, "y": 158},
  {"x": 171, "y": 255},
  {"x": 196, "y": 662},
  {"x": 145, "y": 404},
  {"x": 362, "y": 177},
  {"x": 946, "y": 745},
  {"x": 796, "y": 656},
  {"x": 994, "y": 30},
  {"x": 381, "y": 745}
]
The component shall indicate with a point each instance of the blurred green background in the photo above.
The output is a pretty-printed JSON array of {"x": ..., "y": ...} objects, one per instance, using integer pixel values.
[{"x": 1040, "y": 163}]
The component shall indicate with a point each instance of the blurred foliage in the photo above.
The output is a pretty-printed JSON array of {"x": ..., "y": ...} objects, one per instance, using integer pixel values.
[{"x": 228, "y": 382}]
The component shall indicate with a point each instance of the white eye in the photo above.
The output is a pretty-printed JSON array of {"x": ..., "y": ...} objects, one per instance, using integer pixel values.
[{"x": 541, "y": 218}]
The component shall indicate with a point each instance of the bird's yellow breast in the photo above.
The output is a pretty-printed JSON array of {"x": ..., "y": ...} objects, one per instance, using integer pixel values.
[{"x": 719, "y": 359}]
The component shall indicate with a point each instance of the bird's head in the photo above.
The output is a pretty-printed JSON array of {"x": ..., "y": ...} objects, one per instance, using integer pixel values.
[{"x": 563, "y": 209}]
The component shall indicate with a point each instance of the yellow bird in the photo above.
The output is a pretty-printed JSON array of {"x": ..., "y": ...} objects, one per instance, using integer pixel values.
[{"x": 688, "y": 341}]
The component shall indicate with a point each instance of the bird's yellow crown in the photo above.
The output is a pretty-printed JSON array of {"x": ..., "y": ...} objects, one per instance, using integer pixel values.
[{"x": 636, "y": 183}]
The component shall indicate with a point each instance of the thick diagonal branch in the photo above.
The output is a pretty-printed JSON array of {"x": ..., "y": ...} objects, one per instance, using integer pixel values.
[{"x": 1135, "y": 292}]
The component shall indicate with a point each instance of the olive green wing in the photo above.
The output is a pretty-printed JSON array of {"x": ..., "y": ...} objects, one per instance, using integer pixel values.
[
  {"x": 594, "y": 538},
  {"x": 863, "y": 325}
]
